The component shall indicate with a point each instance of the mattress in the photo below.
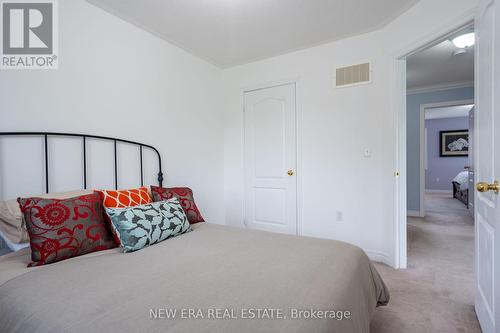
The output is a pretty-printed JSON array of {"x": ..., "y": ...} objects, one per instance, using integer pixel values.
[{"x": 218, "y": 274}]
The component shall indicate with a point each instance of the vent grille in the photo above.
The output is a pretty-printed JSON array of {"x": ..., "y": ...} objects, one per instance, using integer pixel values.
[{"x": 353, "y": 75}]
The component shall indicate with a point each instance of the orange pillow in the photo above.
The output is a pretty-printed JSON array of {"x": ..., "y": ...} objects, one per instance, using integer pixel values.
[
  {"x": 122, "y": 199},
  {"x": 125, "y": 198}
]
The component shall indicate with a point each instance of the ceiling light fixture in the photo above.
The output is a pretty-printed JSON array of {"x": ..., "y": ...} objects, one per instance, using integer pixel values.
[
  {"x": 464, "y": 41},
  {"x": 459, "y": 52}
]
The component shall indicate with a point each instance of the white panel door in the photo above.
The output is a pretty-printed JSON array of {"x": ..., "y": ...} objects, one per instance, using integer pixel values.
[
  {"x": 270, "y": 159},
  {"x": 487, "y": 165}
]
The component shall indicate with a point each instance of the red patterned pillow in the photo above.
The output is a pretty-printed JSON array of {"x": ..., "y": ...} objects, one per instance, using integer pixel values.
[
  {"x": 63, "y": 228},
  {"x": 185, "y": 196}
]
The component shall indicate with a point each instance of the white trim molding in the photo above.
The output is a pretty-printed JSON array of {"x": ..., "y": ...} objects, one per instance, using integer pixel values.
[
  {"x": 414, "y": 213},
  {"x": 440, "y": 87}
]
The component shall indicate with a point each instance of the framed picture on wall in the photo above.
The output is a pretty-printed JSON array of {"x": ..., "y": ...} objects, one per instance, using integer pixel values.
[{"x": 454, "y": 143}]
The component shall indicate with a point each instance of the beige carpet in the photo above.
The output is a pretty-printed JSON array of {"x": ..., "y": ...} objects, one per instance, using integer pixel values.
[{"x": 436, "y": 292}]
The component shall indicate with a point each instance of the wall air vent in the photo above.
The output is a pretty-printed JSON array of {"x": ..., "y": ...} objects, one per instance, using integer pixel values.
[{"x": 353, "y": 75}]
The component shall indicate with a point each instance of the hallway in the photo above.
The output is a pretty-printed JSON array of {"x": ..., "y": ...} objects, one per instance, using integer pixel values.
[{"x": 436, "y": 292}]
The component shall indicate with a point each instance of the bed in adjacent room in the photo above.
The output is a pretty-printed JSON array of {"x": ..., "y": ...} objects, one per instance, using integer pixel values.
[
  {"x": 461, "y": 187},
  {"x": 208, "y": 278}
]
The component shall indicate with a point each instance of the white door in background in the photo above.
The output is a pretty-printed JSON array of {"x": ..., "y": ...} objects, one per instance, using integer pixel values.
[
  {"x": 487, "y": 165},
  {"x": 270, "y": 159}
]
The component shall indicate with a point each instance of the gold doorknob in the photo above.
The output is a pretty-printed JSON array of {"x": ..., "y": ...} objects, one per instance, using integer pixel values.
[
  {"x": 290, "y": 172},
  {"x": 484, "y": 187}
]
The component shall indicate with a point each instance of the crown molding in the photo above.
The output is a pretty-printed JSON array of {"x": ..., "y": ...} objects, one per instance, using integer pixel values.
[{"x": 440, "y": 87}]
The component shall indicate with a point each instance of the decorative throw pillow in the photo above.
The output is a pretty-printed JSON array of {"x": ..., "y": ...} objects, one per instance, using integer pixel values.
[
  {"x": 122, "y": 199},
  {"x": 141, "y": 226},
  {"x": 12, "y": 225},
  {"x": 185, "y": 196},
  {"x": 63, "y": 228},
  {"x": 125, "y": 198}
]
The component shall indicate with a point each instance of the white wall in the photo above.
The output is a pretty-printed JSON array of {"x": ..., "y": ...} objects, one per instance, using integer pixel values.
[
  {"x": 117, "y": 80},
  {"x": 335, "y": 127}
]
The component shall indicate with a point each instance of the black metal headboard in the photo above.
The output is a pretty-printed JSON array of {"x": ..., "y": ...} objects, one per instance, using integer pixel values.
[{"x": 45, "y": 135}]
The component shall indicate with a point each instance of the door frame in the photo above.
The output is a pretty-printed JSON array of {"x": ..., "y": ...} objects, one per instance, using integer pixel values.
[
  {"x": 399, "y": 100},
  {"x": 298, "y": 144},
  {"x": 423, "y": 158}
]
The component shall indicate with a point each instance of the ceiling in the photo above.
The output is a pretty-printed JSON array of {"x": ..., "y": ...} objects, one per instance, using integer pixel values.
[
  {"x": 438, "y": 66},
  {"x": 233, "y": 32},
  {"x": 448, "y": 112}
]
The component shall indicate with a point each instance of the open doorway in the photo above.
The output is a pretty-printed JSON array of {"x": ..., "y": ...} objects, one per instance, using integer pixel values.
[
  {"x": 439, "y": 109},
  {"x": 445, "y": 168},
  {"x": 440, "y": 95},
  {"x": 440, "y": 228}
]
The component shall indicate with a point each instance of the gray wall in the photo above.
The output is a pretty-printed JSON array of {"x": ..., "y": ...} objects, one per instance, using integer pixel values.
[
  {"x": 441, "y": 170},
  {"x": 413, "y": 103}
]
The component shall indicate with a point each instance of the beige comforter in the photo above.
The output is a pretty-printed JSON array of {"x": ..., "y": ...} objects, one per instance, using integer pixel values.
[{"x": 210, "y": 280}]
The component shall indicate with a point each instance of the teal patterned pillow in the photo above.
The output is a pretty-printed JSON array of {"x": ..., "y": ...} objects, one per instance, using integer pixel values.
[{"x": 144, "y": 225}]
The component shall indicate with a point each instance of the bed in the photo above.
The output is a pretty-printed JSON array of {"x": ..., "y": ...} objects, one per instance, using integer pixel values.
[
  {"x": 213, "y": 279},
  {"x": 461, "y": 187}
]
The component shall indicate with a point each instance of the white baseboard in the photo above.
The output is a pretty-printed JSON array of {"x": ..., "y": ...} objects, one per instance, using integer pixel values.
[
  {"x": 414, "y": 213},
  {"x": 378, "y": 256},
  {"x": 439, "y": 191}
]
